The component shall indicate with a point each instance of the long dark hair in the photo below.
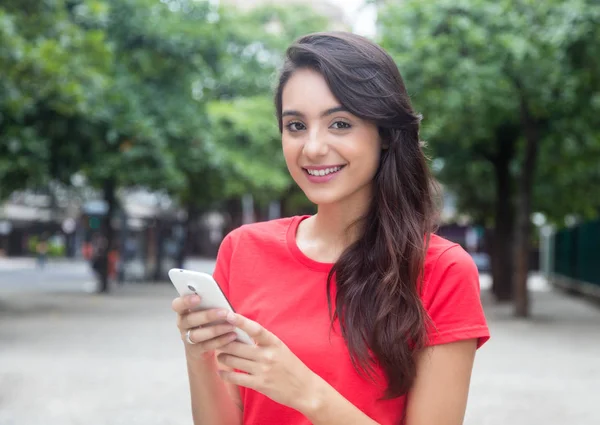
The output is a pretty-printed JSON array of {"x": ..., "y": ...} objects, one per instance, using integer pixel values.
[{"x": 378, "y": 277}]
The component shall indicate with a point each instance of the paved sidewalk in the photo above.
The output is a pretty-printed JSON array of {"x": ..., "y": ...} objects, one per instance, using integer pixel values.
[
  {"x": 18, "y": 263},
  {"x": 22, "y": 263},
  {"x": 540, "y": 371},
  {"x": 76, "y": 358}
]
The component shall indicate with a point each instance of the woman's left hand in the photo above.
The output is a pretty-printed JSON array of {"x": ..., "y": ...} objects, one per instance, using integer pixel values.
[{"x": 271, "y": 368}]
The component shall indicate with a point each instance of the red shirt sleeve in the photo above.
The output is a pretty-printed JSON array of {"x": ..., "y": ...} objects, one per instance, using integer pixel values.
[
  {"x": 451, "y": 297},
  {"x": 221, "y": 272}
]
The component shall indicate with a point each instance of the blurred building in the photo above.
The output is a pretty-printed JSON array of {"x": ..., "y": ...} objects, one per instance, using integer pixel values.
[
  {"x": 336, "y": 15},
  {"x": 28, "y": 217}
]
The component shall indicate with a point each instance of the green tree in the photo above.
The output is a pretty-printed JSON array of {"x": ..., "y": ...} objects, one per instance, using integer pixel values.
[
  {"x": 233, "y": 101},
  {"x": 52, "y": 70},
  {"x": 113, "y": 116},
  {"x": 168, "y": 54},
  {"x": 506, "y": 87},
  {"x": 255, "y": 44},
  {"x": 144, "y": 93},
  {"x": 246, "y": 145}
]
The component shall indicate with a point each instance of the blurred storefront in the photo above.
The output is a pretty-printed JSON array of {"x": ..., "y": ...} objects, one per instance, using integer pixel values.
[
  {"x": 146, "y": 237},
  {"x": 149, "y": 231},
  {"x": 28, "y": 218}
]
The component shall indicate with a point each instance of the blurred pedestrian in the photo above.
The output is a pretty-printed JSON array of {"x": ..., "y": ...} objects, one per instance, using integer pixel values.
[
  {"x": 113, "y": 261},
  {"x": 87, "y": 250},
  {"x": 359, "y": 313},
  {"x": 41, "y": 249},
  {"x": 98, "y": 258}
]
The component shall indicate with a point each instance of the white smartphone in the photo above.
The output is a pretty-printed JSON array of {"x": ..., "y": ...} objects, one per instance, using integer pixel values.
[{"x": 188, "y": 282}]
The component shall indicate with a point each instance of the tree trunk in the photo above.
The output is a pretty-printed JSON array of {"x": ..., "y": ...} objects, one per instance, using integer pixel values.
[
  {"x": 523, "y": 218},
  {"x": 109, "y": 192},
  {"x": 502, "y": 260},
  {"x": 159, "y": 250},
  {"x": 502, "y": 264},
  {"x": 233, "y": 209},
  {"x": 188, "y": 228}
]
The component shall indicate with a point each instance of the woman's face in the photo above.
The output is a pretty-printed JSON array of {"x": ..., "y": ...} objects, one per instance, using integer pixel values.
[{"x": 330, "y": 153}]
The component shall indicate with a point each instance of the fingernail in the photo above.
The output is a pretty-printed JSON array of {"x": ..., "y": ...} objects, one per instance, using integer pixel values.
[
  {"x": 222, "y": 313},
  {"x": 194, "y": 299},
  {"x": 231, "y": 317}
]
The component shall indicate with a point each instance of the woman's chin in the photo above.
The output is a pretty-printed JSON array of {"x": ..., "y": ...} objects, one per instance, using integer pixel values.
[{"x": 323, "y": 198}]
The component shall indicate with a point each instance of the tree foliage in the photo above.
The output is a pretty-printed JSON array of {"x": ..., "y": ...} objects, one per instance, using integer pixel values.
[
  {"x": 171, "y": 95},
  {"x": 52, "y": 70},
  {"x": 510, "y": 90},
  {"x": 469, "y": 65}
]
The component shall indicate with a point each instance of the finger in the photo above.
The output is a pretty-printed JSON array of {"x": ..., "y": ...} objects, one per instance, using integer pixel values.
[
  {"x": 182, "y": 304},
  {"x": 238, "y": 378},
  {"x": 200, "y": 318},
  {"x": 238, "y": 363},
  {"x": 259, "y": 334},
  {"x": 240, "y": 349},
  {"x": 205, "y": 334},
  {"x": 192, "y": 300},
  {"x": 178, "y": 305},
  {"x": 216, "y": 343}
]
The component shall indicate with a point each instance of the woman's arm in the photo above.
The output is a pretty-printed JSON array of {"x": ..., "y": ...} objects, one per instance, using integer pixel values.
[
  {"x": 213, "y": 403},
  {"x": 329, "y": 407},
  {"x": 438, "y": 396}
]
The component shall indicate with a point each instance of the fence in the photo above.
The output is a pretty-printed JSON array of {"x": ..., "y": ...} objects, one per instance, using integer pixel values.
[{"x": 576, "y": 258}]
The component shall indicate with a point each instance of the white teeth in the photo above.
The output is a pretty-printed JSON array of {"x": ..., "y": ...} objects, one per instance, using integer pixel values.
[{"x": 324, "y": 172}]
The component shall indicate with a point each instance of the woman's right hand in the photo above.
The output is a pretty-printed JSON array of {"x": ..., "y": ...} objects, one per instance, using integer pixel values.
[{"x": 206, "y": 338}]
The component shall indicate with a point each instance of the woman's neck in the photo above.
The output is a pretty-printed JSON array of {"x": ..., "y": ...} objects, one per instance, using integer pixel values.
[
  {"x": 328, "y": 233},
  {"x": 336, "y": 225}
]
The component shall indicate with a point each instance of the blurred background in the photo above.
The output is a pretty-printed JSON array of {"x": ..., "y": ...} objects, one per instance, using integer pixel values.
[{"x": 134, "y": 134}]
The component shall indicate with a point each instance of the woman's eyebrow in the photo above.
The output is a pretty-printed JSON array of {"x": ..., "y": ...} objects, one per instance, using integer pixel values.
[{"x": 294, "y": 113}]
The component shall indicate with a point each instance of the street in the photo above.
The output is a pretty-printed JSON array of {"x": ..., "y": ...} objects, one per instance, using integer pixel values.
[
  {"x": 69, "y": 357},
  {"x": 23, "y": 274}
]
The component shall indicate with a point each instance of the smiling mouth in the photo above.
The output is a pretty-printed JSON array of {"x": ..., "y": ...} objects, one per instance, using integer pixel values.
[{"x": 323, "y": 172}]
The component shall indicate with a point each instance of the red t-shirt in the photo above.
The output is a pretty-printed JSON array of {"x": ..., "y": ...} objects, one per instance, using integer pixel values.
[{"x": 269, "y": 280}]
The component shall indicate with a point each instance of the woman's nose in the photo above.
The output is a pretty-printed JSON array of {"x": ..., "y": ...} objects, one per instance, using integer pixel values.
[{"x": 315, "y": 144}]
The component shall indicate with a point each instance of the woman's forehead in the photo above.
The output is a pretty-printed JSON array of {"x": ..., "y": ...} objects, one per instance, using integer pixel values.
[{"x": 307, "y": 92}]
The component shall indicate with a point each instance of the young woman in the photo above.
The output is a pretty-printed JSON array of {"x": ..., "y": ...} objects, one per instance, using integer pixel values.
[{"x": 360, "y": 314}]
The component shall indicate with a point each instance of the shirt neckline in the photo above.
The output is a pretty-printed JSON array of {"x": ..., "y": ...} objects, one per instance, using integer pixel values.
[{"x": 297, "y": 253}]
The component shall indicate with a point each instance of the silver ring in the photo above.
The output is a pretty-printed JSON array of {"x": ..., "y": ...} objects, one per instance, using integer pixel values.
[{"x": 188, "y": 338}]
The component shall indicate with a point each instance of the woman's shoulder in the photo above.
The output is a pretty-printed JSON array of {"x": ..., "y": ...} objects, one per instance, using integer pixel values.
[
  {"x": 244, "y": 245},
  {"x": 451, "y": 294},
  {"x": 442, "y": 252},
  {"x": 447, "y": 264}
]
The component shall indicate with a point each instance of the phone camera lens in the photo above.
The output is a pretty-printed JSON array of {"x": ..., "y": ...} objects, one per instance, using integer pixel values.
[{"x": 191, "y": 288}]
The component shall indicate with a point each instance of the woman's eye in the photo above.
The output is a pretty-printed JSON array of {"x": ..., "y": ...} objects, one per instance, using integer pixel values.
[
  {"x": 295, "y": 126},
  {"x": 341, "y": 125}
]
